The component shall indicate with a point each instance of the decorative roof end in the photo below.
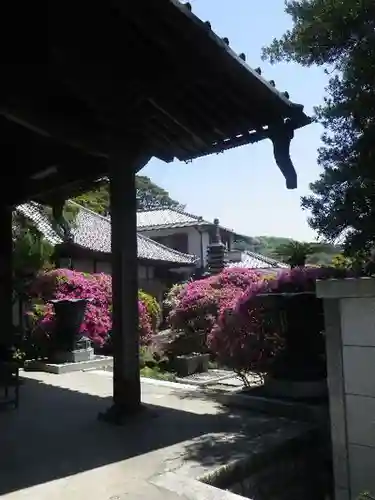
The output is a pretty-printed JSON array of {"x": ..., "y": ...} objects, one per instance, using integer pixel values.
[{"x": 281, "y": 136}]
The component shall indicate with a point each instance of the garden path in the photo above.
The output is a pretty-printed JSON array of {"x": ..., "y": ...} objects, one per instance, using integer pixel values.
[{"x": 54, "y": 448}]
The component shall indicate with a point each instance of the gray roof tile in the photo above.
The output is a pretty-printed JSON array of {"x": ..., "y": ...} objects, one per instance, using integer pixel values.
[
  {"x": 93, "y": 231},
  {"x": 252, "y": 260},
  {"x": 167, "y": 218}
]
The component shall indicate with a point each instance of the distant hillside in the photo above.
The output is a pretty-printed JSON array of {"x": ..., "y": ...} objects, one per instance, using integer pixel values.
[{"x": 266, "y": 245}]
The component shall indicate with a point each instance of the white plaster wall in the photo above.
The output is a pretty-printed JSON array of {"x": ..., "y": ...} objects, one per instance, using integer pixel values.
[
  {"x": 206, "y": 242},
  {"x": 194, "y": 239}
]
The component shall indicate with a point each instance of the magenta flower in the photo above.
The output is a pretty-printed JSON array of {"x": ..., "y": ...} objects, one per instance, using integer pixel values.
[{"x": 65, "y": 283}]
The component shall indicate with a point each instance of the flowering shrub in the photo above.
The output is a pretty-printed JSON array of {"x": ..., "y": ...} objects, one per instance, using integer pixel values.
[
  {"x": 275, "y": 326},
  {"x": 199, "y": 303},
  {"x": 171, "y": 300},
  {"x": 152, "y": 307},
  {"x": 243, "y": 348},
  {"x": 64, "y": 283}
]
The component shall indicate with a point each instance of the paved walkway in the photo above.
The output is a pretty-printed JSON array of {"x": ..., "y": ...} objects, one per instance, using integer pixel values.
[{"x": 54, "y": 448}]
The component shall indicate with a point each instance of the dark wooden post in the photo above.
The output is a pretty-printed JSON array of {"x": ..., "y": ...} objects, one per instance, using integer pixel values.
[
  {"x": 126, "y": 376},
  {"x": 6, "y": 276}
]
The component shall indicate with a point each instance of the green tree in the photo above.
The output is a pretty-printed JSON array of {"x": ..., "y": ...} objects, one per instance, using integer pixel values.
[
  {"x": 31, "y": 253},
  {"x": 149, "y": 196},
  {"x": 295, "y": 253},
  {"x": 340, "y": 36},
  {"x": 97, "y": 199}
]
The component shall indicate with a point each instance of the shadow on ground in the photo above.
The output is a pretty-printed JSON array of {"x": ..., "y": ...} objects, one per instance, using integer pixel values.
[{"x": 55, "y": 433}]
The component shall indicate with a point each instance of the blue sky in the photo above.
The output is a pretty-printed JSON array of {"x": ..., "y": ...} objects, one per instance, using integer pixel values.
[{"x": 243, "y": 188}]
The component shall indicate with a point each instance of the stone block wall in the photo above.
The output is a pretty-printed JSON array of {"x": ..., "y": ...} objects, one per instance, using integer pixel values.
[
  {"x": 349, "y": 307},
  {"x": 294, "y": 475}
]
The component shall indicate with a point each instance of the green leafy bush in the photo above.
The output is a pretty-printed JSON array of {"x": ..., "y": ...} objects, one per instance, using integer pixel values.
[{"x": 172, "y": 298}]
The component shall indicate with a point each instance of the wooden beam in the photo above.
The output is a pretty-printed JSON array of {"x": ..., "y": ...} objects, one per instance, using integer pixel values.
[
  {"x": 71, "y": 178},
  {"x": 6, "y": 276},
  {"x": 80, "y": 134}
]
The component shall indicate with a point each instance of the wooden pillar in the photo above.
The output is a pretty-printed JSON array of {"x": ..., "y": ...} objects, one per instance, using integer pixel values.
[
  {"x": 123, "y": 206},
  {"x": 6, "y": 276}
]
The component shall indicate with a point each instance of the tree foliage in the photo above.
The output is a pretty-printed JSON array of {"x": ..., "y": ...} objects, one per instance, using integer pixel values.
[
  {"x": 31, "y": 253},
  {"x": 97, "y": 199},
  {"x": 339, "y": 35},
  {"x": 295, "y": 253},
  {"x": 149, "y": 196},
  {"x": 269, "y": 247}
]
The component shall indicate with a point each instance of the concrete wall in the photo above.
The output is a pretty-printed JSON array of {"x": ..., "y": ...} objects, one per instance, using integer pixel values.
[{"x": 349, "y": 307}]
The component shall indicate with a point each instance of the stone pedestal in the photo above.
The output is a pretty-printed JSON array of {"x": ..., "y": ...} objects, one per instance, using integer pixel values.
[
  {"x": 75, "y": 356},
  {"x": 349, "y": 310}
]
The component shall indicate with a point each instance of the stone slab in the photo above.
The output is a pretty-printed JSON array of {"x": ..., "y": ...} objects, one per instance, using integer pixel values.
[
  {"x": 345, "y": 288},
  {"x": 59, "y": 368},
  {"x": 234, "y": 381},
  {"x": 191, "y": 489},
  {"x": 206, "y": 378}
]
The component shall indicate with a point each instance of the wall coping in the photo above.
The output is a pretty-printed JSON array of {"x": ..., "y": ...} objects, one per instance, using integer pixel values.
[{"x": 345, "y": 288}]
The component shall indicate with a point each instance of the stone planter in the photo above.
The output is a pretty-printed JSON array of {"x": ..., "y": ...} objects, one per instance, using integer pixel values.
[
  {"x": 189, "y": 364},
  {"x": 69, "y": 346},
  {"x": 300, "y": 365},
  {"x": 298, "y": 390}
]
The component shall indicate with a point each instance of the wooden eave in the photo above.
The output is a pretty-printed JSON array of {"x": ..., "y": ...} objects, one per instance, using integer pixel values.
[
  {"x": 119, "y": 71},
  {"x": 73, "y": 250}
]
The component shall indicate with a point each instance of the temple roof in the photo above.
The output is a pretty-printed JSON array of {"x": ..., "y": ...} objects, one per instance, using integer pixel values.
[
  {"x": 253, "y": 260},
  {"x": 170, "y": 218},
  {"x": 92, "y": 231}
]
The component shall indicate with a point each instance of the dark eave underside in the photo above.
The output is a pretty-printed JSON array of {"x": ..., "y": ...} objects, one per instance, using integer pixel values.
[{"x": 123, "y": 71}]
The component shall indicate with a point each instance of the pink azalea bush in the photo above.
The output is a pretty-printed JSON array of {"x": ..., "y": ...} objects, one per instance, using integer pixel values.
[
  {"x": 249, "y": 336},
  {"x": 65, "y": 283},
  {"x": 198, "y": 305}
]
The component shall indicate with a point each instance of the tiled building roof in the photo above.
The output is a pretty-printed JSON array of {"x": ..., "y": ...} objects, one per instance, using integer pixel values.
[
  {"x": 162, "y": 218},
  {"x": 169, "y": 218},
  {"x": 252, "y": 260},
  {"x": 93, "y": 231}
]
